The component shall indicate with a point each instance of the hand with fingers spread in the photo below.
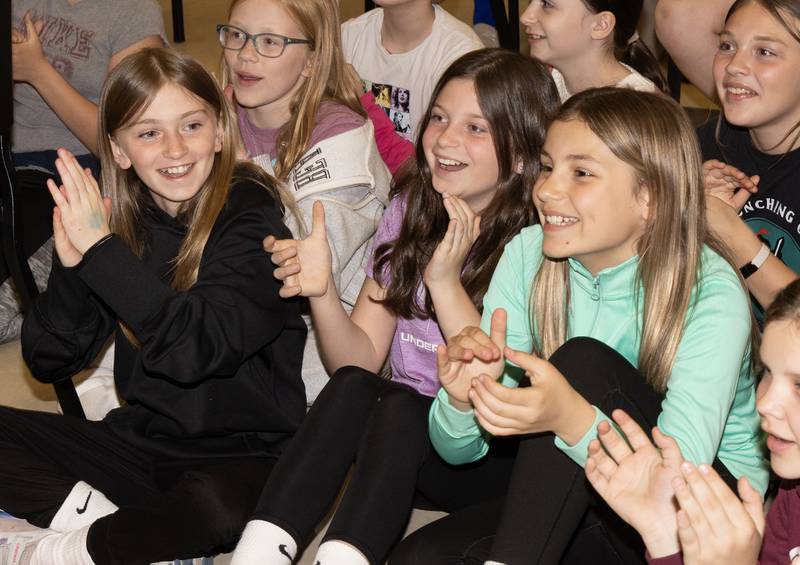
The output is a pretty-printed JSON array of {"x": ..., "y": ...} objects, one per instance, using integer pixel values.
[
  {"x": 27, "y": 56},
  {"x": 728, "y": 183},
  {"x": 550, "y": 404},
  {"x": 635, "y": 480},
  {"x": 714, "y": 526},
  {"x": 469, "y": 354},
  {"x": 304, "y": 265},
  {"x": 82, "y": 213},
  {"x": 445, "y": 265}
]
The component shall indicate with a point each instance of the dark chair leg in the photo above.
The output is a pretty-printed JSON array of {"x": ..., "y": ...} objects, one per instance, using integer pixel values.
[
  {"x": 674, "y": 80},
  {"x": 507, "y": 23},
  {"x": 177, "y": 21}
]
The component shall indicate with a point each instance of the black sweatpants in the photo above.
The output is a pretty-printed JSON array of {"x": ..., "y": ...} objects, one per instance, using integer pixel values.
[
  {"x": 383, "y": 427},
  {"x": 550, "y": 514},
  {"x": 169, "y": 507}
]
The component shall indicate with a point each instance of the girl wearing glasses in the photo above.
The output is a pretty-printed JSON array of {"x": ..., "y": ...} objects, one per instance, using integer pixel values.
[{"x": 300, "y": 118}]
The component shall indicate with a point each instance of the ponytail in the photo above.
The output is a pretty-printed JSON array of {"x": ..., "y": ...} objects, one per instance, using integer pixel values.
[
  {"x": 628, "y": 48},
  {"x": 638, "y": 56}
]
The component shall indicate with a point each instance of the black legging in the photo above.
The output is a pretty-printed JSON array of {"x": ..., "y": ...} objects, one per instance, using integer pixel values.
[
  {"x": 169, "y": 507},
  {"x": 550, "y": 514},
  {"x": 383, "y": 427}
]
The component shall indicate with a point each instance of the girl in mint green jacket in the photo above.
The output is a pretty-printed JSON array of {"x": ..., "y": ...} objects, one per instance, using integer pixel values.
[{"x": 634, "y": 306}]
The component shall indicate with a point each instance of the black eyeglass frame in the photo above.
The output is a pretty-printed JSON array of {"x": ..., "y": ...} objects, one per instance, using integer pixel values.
[{"x": 254, "y": 36}]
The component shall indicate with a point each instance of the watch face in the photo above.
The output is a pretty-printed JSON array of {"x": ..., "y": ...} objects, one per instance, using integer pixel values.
[{"x": 748, "y": 270}]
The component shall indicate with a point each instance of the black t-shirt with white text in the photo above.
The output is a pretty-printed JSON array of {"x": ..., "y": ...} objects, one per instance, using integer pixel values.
[{"x": 773, "y": 213}]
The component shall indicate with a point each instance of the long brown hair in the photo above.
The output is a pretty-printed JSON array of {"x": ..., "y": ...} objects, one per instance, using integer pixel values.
[
  {"x": 628, "y": 48},
  {"x": 330, "y": 77},
  {"x": 517, "y": 97},
  {"x": 129, "y": 89},
  {"x": 653, "y": 135}
]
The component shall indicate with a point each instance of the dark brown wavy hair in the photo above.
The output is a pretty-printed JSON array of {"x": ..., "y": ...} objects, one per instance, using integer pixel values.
[{"x": 518, "y": 98}]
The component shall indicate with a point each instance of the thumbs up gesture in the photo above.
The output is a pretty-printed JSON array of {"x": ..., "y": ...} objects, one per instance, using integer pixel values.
[{"x": 304, "y": 265}]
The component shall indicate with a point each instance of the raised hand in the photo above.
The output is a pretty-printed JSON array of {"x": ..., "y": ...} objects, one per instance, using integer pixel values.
[
  {"x": 635, "y": 480},
  {"x": 304, "y": 265},
  {"x": 728, "y": 183},
  {"x": 448, "y": 257},
  {"x": 550, "y": 404},
  {"x": 83, "y": 213},
  {"x": 27, "y": 55},
  {"x": 714, "y": 526},
  {"x": 470, "y": 354}
]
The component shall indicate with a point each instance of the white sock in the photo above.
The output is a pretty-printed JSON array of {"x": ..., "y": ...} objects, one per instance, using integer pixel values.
[
  {"x": 493, "y": 563},
  {"x": 264, "y": 543},
  {"x": 83, "y": 505},
  {"x": 62, "y": 549},
  {"x": 335, "y": 552}
]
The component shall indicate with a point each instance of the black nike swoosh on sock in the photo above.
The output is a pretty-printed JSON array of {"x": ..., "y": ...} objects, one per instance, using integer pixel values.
[
  {"x": 283, "y": 551},
  {"x": 85, "y": 504}
]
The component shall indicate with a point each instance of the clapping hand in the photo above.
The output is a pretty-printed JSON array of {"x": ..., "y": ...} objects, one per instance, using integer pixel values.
[
  {"x": 81, "y": 216},
  {"x": 470, "y": 354},
  {"x": 714, "y": 526},
  {"x": 635, "y": 477},
  {"x": 27, "y": 55},
  {"x": 449, "y": 256},
  {"x": 728, "y": 183}
]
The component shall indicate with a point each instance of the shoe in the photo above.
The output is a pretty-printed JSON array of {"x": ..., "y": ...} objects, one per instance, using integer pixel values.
[{"x": 16, "y": 548}]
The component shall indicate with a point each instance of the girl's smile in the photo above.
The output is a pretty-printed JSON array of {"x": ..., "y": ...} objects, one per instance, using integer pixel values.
[
  {"x": 778, "y": 399},
  {"x": 756, "y": 54},
  {"x": 589, "y": 202},
  {"x": 459, "y": 147},
  {"x": 171, "y": 145}
]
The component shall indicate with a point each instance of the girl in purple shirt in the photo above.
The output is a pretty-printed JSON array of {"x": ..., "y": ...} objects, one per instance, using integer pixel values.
[{"x": 466, "y": 194}]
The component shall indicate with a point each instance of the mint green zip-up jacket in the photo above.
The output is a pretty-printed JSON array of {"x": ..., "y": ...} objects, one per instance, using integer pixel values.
[{"x": 709, "y": 407}]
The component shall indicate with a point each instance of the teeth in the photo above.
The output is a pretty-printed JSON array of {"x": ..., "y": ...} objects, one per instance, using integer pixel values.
[
  {"x": 449, "y": 162},
  {"x": 560, "y": 220},
  {"x": 177, "y": 170},
  {"x": 733, "y": 90}
]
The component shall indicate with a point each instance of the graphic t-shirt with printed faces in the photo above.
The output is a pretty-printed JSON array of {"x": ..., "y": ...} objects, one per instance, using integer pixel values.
[
  {"x": 78, "y": 41},
  {"x": 403, "y": 82},
  {"x": 413, "y": 353},
  {"x": 773, "y": 213}
]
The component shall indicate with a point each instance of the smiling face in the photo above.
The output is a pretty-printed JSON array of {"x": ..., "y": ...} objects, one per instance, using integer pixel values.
[
  {"x": 753, "y": 71},
  {"x": 557, "y": 30},
  {"x": 778, "y": 401},
  {"x": 171, "y": 146},
  {"x": 459, "y": 147},
  {"x": 589, "y": 201},
  {"x": 266, "y": 86}
]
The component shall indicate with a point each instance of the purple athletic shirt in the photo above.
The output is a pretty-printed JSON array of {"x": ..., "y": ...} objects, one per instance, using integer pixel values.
[{"x": 413, "y": 354}]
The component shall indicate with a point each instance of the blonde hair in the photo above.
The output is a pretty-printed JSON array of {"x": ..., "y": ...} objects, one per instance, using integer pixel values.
[
  {"x": 653, "y": 135},
  {"x": 330, "y": 77}
]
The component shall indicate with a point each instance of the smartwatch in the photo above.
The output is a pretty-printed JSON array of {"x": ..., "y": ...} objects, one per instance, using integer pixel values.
[{"x": 756, "y": 262}]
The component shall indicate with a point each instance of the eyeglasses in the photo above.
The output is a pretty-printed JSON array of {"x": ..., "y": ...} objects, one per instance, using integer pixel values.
[{"x": 266, "y": 44}]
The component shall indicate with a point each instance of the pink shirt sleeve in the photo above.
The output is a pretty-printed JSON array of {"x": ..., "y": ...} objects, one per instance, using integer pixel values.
[{"x": 394, "y": 149}]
